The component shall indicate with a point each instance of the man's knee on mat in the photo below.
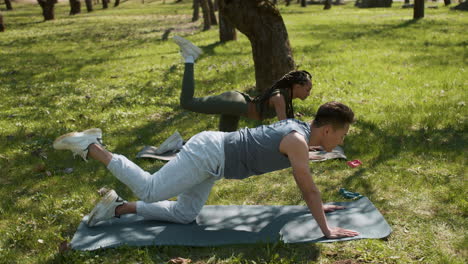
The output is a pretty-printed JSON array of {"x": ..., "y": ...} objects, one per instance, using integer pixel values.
[{"x": 185, "y": 217}]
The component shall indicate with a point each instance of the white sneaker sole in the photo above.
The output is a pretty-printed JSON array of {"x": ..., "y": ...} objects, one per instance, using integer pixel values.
[
  {"x": 187, "y": 45},
  {"x": 69, "y": 141},
  {"x": 105, "y": 204}
]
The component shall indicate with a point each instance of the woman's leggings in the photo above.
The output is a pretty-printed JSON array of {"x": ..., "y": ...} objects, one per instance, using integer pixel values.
[{"x": 230, "y": 105}]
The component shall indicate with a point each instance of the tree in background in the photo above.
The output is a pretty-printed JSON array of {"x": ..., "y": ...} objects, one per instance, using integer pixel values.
[
  {"x": 47, "y": 8},
  {"x": 105, "y": 4},
  {"x": 262, "y": 23},
  {"x": 75, "y": 7},
  {"x": 418, "y": 9},
  {"x": 2, "y": 26},
  {"x": 89, "y": 5},
  {"x": 206, "y": 14},
  {"x": 373, "y": 3},
  {"x": 327, "y": 4},
  {"x": 303, "y": 3},
  {"x": 8, "y": 5},
  {"x": 196, "y": 10},
  {"x": 212, "y": 13},
  {"x": 227, "y": 31},
  {"x": 117, "y": 2},
  {"x": 447, "y": 2}
]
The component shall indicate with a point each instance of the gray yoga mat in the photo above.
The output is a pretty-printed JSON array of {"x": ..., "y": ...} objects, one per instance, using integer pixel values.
[
  {"x": 151, "y": 152},
  {"x": 233, "y": 224}
]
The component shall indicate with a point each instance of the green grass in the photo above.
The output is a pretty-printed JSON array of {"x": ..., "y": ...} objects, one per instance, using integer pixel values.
[{"x": 406, "y": 81}]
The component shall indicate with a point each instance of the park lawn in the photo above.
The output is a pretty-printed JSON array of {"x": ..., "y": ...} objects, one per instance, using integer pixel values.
[{"x": 406, "y": 81}]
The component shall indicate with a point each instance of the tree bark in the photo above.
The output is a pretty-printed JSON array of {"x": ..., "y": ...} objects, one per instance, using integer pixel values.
[
  {"x": 288, "y": 2},
  {"x": 212, "y": 13},
  {"x": 117, "y": 3},
  {"x": 206, "y": 14},
  {"x": 418, "y": 9},
  {"x": 327, "y": 4},
  {"x": 447, "y": 2},
  {"x": 407, "y": 2},
  {"x": 105, "y": 4},
  {"x": 2, "y": 26},
  {"x": 89, "y": 5},
  {"x": 8, "y": 5},
  {"x": 227, "y": 31},
  {"x": 262, "y": 23},
  {"x": 75, "y": 7},
  {"x": 47, "y": 8},
  {"x": 303, "y": 3},
  {"x": 196, "y": 10}
]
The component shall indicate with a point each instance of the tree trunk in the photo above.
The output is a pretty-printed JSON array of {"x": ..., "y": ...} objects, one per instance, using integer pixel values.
[
  {"x": 216, "y": 5},
  {"x": 89, "y": 5},
  {"x": 407, "y": 2},
  {"x": 117, "y": 2},
  {"x": 47, "y": 8},
  {"x": 8, "y": 5},
  {"x": 227, "y": 31},
  {"x": 447, "y": 2},
  {"x": 288, "y": 2},
  {"x": 327, "y": 4},
  {"x": 105, "y": 4},
  {"x": 2, "y": 26},
  {"x": 212, "y": 13},
  {"x": 303, "y": 3},
  {"x": 206, "y": 14},
  {"x": 262, "y": 23},
  {"x": 418, "y": 9},
  {"x": 196, "y": 10},
  {"x": 75, "y": 7}
]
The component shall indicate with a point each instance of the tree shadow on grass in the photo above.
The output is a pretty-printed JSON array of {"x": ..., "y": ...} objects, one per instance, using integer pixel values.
[
  {"x": 385, "y": 146},
  {"x": 253, "y": 253}
]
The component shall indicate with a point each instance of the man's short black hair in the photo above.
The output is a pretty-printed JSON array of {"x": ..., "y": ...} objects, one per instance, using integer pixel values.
[{"x": 334, "y": 113}]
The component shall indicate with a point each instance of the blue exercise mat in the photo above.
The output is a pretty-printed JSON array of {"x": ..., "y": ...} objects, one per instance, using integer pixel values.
[{"x": 233, "y": 224}]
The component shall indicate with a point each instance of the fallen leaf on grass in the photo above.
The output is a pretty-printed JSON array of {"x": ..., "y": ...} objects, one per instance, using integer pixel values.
[
  {"x": 180, "y": 261},
  {"x": 63, "y": 246},
  {"x": 39, "y": 168},
  {"x": 346, "y": 261}
]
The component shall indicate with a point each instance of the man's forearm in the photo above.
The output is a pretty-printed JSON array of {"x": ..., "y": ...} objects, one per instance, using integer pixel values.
[{"x": 314, "y": 202}]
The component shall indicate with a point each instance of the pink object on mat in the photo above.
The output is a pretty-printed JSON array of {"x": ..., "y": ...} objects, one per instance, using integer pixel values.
[{"x": 354, "y": 163}]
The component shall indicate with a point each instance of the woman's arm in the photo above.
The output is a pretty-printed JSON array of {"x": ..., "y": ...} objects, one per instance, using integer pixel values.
[{"x": 278, "y": 103}]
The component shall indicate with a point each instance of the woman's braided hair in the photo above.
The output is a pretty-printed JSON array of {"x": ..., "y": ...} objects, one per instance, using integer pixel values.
[{"x": 285, "y": 85}]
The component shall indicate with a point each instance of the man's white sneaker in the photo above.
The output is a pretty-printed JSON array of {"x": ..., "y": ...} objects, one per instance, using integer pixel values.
[
  {"x": 105, "y": 208},
  {"x": 78, "y": 142},
  {"x": 187, "y": 48}
]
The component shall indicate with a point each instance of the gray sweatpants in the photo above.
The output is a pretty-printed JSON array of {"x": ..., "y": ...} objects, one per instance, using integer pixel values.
[{"x": 190, "y": 176}]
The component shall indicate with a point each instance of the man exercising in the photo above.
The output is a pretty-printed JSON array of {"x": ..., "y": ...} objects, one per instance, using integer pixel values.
[{"x": 210, "y": 156}]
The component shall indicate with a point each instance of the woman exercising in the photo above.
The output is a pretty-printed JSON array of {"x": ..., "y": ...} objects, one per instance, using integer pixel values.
[{"x": 276, "y": 101}]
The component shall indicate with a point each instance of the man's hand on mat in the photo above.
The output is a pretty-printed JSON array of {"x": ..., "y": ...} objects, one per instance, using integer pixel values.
[
  {"x": 331, "y": 208},
  {"x": 338, "y": 232},
  {"x": 315, "y": 148},
  {"x": 312, "y": 156}
]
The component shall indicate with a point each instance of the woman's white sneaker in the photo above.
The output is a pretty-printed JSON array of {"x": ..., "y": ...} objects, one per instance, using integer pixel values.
[
  {"x": 187, "y": 48},
  {"x": 78, "y": 142},
  {"x": 105, "y": 208}
]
